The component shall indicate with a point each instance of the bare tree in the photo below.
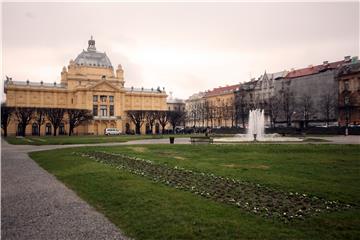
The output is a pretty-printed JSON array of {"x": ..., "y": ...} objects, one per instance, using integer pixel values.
[
  {"x": 6, "y": 113},
  {"x": 306, "y": 107},
  {"x": 194, "y": 113},
  {"x": 230, "y": 111},
  {"x": 210, "y": 113},
  {"x": 220, "y": 114},
  {"x": 328, "y": 106},
  {"x": 175, "y": 118},
  {"x": 24, "y": 116},
  {"x": 150, "y": 119},
  {"x": 77, "y": 117},
  {"x": 202, "y": 113},
  {"x": 241, "y": 107},
  {"x": 163, "y": 118},
  {"x": 274, "y": 109},
  {"x": 55, "y": 116},
  {"x": 288, "y": 104},
  {"x": 40, "y": 117},
  {"x": 138, "y": 118}
]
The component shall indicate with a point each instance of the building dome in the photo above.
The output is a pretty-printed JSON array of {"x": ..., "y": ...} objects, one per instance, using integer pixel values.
[{"x": 93, "y": 58}]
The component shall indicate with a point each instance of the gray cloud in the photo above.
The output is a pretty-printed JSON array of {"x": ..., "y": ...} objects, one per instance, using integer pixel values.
[{"x": 188, "y": 46}]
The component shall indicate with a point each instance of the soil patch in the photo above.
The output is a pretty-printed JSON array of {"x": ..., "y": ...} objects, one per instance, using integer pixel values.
[
  {"x": 251, "y": 166},
  {"x": 138, "y": 149}
]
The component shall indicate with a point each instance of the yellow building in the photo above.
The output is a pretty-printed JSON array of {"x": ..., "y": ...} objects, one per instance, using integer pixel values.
[
  {"x": 213, "y": 108},
  {"x": 221, "y": 106},
  {"x": 89, "y": 82}
]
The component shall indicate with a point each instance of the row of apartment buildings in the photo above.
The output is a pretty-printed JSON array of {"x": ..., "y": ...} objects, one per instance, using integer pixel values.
[{"x": 328, "y": 93}]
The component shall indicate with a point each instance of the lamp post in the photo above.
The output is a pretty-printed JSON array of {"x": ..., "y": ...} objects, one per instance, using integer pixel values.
[{"x": 347, "y": 114}]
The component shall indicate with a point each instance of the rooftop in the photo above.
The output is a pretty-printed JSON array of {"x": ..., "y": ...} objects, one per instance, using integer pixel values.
[
  {"x": 34, "y": 84},
  {"x": 222, "y": 90},
  {"x": 93, "y": 58},
  {"x": 314, "y": 69}
]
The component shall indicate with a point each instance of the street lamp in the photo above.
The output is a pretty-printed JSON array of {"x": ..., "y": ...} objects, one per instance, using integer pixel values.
[{"x": 347, "y": 114}]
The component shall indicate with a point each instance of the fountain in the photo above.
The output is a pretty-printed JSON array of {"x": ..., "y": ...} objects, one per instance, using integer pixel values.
[
  {"x": 256, "y": 128},
  {"x": 256, "y": 131}
]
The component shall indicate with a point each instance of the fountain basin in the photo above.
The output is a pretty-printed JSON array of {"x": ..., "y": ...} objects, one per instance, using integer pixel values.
[{"x": 275, "y": 137}]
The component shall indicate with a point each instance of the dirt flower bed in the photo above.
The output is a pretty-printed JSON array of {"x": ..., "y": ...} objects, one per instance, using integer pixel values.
[{"x": 253, "y": 198}]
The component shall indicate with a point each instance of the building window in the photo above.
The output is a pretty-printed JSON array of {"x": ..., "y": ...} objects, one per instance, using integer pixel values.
[
  {"x": 111, "y": 110},
  {"x": 35, "y": 129},
  {"x": 95, "y": 98},
  {"x": 346, "y": 84},
  {"x": 103, "y": 110},
  {"x": 111, "y": 99},
  {"x": 347, "y": 100},
  {"x": 62, "y": 129},
  {"x": 103, "y": 98},
  {"x": 48, "y": 129},
  {"x": 95, "y": 110},
  {"x": 19, "y": 130}
]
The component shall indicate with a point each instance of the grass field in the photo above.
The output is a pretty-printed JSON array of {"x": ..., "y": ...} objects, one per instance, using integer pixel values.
[
  {"x": 88, "y": 139},
  {"x": 145, "y": 209},
  {"x": 84, "y": 139}
]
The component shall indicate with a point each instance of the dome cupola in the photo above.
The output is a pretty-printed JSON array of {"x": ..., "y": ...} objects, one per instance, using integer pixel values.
[{"x": 93, "y": 58}]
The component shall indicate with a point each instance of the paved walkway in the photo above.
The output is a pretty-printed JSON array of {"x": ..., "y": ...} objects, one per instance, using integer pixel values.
[
  {"x": 351, "y": 139},
  {"x": 35, "y": 205}
]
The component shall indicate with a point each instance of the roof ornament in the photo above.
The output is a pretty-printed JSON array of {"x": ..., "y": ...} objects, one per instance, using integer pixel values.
[{"x": 91, "y": 43}]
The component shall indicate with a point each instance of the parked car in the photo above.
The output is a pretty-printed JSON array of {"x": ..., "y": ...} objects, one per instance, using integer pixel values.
[{"x": 112, "y": 131}]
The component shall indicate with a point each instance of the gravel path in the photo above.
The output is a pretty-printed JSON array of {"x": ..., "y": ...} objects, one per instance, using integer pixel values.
[{"x": 35, "y": 205}]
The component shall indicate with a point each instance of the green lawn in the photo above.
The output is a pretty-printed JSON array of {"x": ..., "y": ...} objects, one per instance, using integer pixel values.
[
  {"x": 87, "y": 139},
  {"x": 61, "y": 140},
  {"x": 145, "y": 209}
]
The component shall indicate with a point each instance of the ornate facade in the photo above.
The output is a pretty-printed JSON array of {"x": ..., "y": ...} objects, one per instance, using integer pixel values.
[
  {"x": 89, "y": 82},
  {"x": 349, "y": 94}
]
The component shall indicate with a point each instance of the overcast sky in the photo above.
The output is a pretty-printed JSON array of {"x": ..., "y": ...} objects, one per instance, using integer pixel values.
[{"x": 184, "y": 47}]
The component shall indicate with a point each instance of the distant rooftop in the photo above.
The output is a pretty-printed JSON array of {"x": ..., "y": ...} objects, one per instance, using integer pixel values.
[
  {"x": 148, "y": 90},
  {"x": 294, "y": 73},
  {"x": 171, "y": 99},
  {"x": 34, "y": 84},
  {"x": 222, "y": 90}
]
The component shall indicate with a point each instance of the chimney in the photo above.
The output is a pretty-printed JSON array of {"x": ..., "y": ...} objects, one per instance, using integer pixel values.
[{"x": 347, "y": 58}]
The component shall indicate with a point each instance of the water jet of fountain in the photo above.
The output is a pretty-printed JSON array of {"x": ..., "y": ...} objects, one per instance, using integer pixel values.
[
  {"x": 256, "y": 131},
  {"x": 256, "y": 126}
]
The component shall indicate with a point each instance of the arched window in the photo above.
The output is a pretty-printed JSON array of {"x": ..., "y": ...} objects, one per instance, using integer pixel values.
[
  {"x": 35, "y": 129},
  {"x": 19, "y": 130},
  {"x": 48, "y": 129},
  {"x": 62, "y": 129}
]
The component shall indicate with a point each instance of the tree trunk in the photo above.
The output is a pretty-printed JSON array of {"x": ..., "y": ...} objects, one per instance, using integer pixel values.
[
  {"x": 5, "y": 131},
  {"x": 137, "y": 129},
  {"x": 23, "y": 130},
  {"x": 55, "y": 128},
  {"x": 71, "y": 129}
]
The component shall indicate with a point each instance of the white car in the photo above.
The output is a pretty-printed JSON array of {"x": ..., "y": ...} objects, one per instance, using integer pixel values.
[{"x": 112, "y": 131}]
